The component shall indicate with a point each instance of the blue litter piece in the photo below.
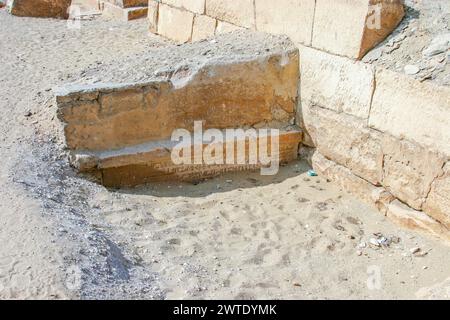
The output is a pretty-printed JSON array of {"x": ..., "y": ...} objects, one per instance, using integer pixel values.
[{"x": 312, "y": 173}]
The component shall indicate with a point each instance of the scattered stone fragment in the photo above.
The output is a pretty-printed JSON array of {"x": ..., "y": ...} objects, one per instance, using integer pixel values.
[
  {"x": 414, "y": 250},
  {"x": 411, "y": 69},
  {"x": 440, "y": 44},
  {"x": 374, "y": 242}
]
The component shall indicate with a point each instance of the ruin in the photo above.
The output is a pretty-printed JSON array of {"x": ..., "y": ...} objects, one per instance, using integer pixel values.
[{"x": 379, "y": 134}]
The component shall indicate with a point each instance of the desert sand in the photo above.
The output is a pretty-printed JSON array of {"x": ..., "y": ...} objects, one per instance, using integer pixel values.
[{"x": 242, "y": 235}]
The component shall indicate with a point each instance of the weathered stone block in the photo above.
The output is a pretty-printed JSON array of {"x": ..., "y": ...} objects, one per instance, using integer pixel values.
[
  {"x": 239, "y": 93},
  {"x": 225, "y": 27},
  {"x": 437, "y": 204},
  {"x": 116, "y": 12},
  {"x": 345, "y": 140},
  {"x": 416, "y": 220},
  {"x": 293, "y": 18},
  {"x": 204, "y": 27},
  {"x": 40, "y": 8},
  {"x": 407, "y": 108},
  {"x": 197, "y": 6},
  {"x": 152, "y": 16},
  {"x": 175, "y": 24},
  {"x": 240, "y": 13},
  {"x": 152, "y": 162},
  {"x": 352, "y": 27},
  {"x": 336, "y": 83},
  {"x": 343, "y": 177},
  {"x": 409, "y": 170}
]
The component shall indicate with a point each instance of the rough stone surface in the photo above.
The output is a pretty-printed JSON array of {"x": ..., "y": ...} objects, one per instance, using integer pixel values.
[
  {"x": 152, "y": 15},
  {"x": 143, "y": 164},
  {"x": 345, "y": 27},
  {"x": 407, "y": 108},
  {"x": 345, "y": 140},
  {"x": 416, "y": 220},
  {"x": 291, "y": 17},
  {"x": 438, "y": 201},
  {"x": 336, "y": 83},
  {"x": 204, "y": 27},
  {"x": 113, "y": 11},
  {"x": 344, "y": 178},
  {"x": 409, "y": 170},
  {"x": 391, "y": 14},
  {"x": 240, "y": 13},
  {"x": 225, "y": 27},
  {"x": 222, "y": 91},
  {"x": 40, "y": 8},
  {"x": 196, "y": 6},
  {"x": 175, "y": 24}
]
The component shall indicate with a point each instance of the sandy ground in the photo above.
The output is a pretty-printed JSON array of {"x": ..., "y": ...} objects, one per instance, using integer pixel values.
[
  {"x": 237, "y": 236},
  {"x": 426, "y": 22}
]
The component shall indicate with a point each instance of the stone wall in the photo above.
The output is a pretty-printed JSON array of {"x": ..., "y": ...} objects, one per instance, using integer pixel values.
[
  {"x": 343, "y": 27},
  {"x": 381, "y": 135},
  {"x": 379, "y": 132}
]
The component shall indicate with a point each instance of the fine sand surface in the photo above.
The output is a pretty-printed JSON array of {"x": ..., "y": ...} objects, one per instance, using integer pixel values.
[{"x": 238, "y": 236}]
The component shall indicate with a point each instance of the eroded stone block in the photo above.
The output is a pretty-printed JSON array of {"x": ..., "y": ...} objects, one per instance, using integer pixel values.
[
  {"x": 175, "y": 24},
  {"x": 240, "y": 13},
  {"x": 345, "y": 140},
  {"x": 352, "y": 27},
  {"x": 437, "y": 204},
  {"x": 204, "y": 27},
  {"x": 293, "y": 18},
  {"x": 336, "y": 83},
  {"x": 408, "y": 108},
  {"x": 409, "y": 170},
  {"x": 40, "y": 8},
  {"x": 239, "y": 93},
  {"x": 416, "y": 220}
]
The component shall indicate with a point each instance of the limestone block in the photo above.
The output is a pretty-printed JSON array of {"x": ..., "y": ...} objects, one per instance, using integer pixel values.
[
  {"x": 438, "y": 201},
  {"x": 240, "y": 13},
  {"x": 204, "y": 27},
  {"x": 152, "y": 16},
  {"x": 225, "y": 27},
  {"x": 409, "y": 170},
  {"x": 345, "y": 179},
  {"x": 416, "y": 220},
  {"x": 40, "y": 8},
  {"x": 345, "y": 140},
  {"x": 352, "y": 27},
  {"x": 239, "y": 93},
  {"x": 112, "y": 11},
  {"x": 196, "y": 6},
  {"x": 152, "y": 162},
  {"x": 336, "y": 83},
  {"x": 407, "y": 108},
  {"x": 293, "y": 18},
  {"x": 175, "y": 24},
  {"x": 128, "y": 3}
]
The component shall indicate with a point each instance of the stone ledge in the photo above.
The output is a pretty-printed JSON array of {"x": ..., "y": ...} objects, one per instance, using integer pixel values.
[
  {"x": 242, "y": 92},
  {"x": 152, "y": 161}
]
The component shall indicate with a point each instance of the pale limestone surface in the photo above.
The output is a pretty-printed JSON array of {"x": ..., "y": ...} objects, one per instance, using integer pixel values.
[
  {"x": 175, "y": 24},
  {"x": 293, "y": 18},
  {"x": 336, "y": 83},
  {"x": 240, "y": 13},
  {"x": 345, "y": 140},
  {"x": 407, "y": 108}
]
